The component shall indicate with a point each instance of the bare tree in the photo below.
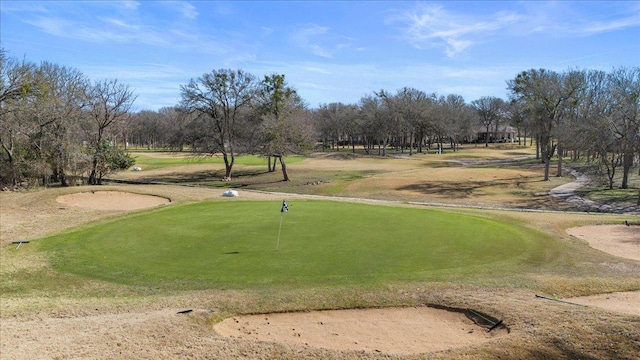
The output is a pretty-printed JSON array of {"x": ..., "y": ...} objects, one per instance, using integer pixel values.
[
  {"x": 329, "y": 119},
  {"x": 411, "y": 106},
  {"x": 516, "y": 112},
  {"x": 461, "y": 122},
  {"x": 286, "y": 126},
  {"x": 376, "y": 120},
  {"x": 17, "y": 85},
  {"x": 547, "y": 95},
  {"x": 489, "y": 109},
  {"x": 624, "y": 87},
  {"x": 176, "y": 122},
  {"x": 110, "y": 102},
  {"x": 217, "y": 98},
  {"x": 58, "y": 112}
]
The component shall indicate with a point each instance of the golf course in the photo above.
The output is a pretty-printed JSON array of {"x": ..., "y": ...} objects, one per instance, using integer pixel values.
[{"x": 461, "y": 255}]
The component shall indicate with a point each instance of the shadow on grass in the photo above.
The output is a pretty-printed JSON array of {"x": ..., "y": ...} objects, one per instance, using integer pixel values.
[
  {"x": 522, "y": 188},
  {"x": 206, "y": 177},
  {"x": 460, "y": 190}
]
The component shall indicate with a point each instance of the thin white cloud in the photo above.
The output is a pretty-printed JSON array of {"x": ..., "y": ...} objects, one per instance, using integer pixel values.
[
  {"x": 103, "y": 30},
  {"x": 560, "y": 19},
  {"x": 120, "y": 23},
  {"x": 156, "y": 85},
  {"x": 171, "y": 34},
  {"x": 307, "y": 38},
  {"x": 316, "y": 69},
  {"x": 617, "y": 24},
  {"x": 135, "y": 72},
  {"x": 22, "y": 6},
  {"x": 320, "y": 41},
  {"x": 266, "y": 31},
  {"x": 184, "y": 8},
  {"x": 130, "y": 4},
  {"x": 428, "y": 26}
]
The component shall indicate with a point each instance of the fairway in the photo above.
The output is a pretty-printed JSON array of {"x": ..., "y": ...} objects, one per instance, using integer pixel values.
[{"x": 233, "y": 245}]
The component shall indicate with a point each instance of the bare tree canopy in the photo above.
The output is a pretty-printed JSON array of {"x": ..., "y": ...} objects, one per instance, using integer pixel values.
[
  {"x": 217, "y": 99},
  {"x": 548, "y": 95},
  {"x": 489, "y": 110},
  {"x": 109, "y": 102},
  {"x": 56, "y": 124}
]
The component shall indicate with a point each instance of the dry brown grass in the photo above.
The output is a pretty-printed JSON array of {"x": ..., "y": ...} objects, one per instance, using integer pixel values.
[{"x": 104, "y": 321}]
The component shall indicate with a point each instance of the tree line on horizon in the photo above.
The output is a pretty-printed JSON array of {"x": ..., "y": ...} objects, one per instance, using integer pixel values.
[{"x": 56, "y": 124}]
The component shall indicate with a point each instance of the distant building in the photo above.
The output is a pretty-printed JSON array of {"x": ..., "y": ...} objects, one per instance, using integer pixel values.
[{"x": 504, "y": 133}]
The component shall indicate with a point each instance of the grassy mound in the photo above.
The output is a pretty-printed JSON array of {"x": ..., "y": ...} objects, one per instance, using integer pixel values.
[{"x": 233, "y": 244}]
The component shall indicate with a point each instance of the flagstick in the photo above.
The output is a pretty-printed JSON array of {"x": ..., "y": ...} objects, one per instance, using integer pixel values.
[{"x": 279, "y": 229}]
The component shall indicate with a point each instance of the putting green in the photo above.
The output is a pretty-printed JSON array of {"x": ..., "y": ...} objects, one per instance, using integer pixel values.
[{"x": 233, "y": 244}]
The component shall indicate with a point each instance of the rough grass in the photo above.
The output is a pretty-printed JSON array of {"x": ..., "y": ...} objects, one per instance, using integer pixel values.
[{"x": 440, "y": 178}]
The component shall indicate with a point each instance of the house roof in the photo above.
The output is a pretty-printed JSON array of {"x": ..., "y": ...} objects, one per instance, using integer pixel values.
[{"x": 501, "y": 129}]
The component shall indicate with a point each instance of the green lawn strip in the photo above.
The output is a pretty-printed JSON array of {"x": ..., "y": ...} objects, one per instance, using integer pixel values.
[
  {"x": 233, "y": 245},
  {"x": 156, "y": 161}
]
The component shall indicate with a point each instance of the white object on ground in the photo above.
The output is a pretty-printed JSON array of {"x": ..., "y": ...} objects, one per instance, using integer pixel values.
[{"x": 230, "y": 193}]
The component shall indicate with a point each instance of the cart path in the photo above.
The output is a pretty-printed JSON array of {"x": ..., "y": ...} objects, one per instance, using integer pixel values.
[{"x": 567, "y": 192}]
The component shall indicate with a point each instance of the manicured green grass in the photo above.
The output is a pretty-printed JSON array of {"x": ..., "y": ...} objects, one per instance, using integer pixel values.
[
  {"x": 233, "y": 245},
  {"x": 157, "y": 160}
]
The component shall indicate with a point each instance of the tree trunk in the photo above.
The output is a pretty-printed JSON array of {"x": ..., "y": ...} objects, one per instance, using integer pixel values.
[
  {"x": 519, "y": 138},
  {"x": 546, "y": 170},
  {"x": 411, "y": 144},
  {"x": 627, "y": 163},
  {"x": 63, "y": 177},
  {"x": 560, "y": 155},
  {"x": 486, "y": 137},
  {"x": 285, "y": 176},
  {"x": 611, "y": 166},
  {"x": 94, "y": 169},
  {"x": 228, "y": 165},
  {"x": 547, "y": 149}
]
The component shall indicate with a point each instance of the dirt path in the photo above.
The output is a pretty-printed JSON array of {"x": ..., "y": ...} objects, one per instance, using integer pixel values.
[{"x": 567, "y": 192}]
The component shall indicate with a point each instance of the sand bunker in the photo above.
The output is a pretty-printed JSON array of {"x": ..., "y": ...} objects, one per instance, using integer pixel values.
[
  {"x": 622, "y": 302},
  {"x": 389, "y": 330},
  {"x": 112, "y": 200},
  {"x": 618, "y": 240}
]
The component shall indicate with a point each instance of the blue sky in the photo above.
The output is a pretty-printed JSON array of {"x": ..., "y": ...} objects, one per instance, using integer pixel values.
[{"x": 330, "y": 51}]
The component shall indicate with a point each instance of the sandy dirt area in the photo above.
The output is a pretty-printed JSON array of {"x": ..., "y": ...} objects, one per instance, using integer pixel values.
[
  {"x": 111, "y": 200},
  {"x": 618, "y": 240},
  {"x": 140, "y": 335},
  {"x": 389, "y": 330},
  {"x": 622, "y": 302}
]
